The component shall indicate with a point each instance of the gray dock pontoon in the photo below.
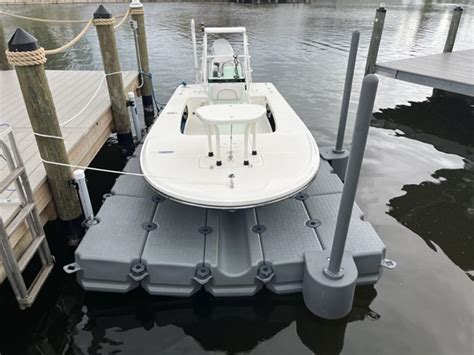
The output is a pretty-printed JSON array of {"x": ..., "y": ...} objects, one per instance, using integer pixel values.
[{"x": 315, "y": 242}]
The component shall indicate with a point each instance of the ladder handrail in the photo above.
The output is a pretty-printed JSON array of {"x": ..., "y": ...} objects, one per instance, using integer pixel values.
[{"x": 28, "y": 211}]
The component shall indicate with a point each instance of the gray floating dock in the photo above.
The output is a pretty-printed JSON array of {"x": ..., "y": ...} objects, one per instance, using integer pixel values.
[
  {"x": 452, "y": 71},
  {"x": 174, "y": 249}
]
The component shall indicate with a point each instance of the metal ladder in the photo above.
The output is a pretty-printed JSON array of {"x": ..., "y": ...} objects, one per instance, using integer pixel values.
[{"x": 27, "y": 211}]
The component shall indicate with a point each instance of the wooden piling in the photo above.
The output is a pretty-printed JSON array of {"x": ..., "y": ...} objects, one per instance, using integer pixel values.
[
  {"x": 4, "y": 65},
  {"x": 138, "y": 14},
  {"x": 44, "y": 120},
  {"x": 453, "y": 29},
  {"x": 375, "y": 40},
  {"x": 104, "y": 23}
]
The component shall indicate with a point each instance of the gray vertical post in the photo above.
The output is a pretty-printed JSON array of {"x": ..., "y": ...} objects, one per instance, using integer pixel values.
[
  {"x": 453, "y": 29},
  {"x": 347, "y": 92},
  {"x": 328, "y": 290},
  {"x": 359, "y": 139},
  {"x": 104, "y": 22},
  {"x": 375, "y": 39},
  {"x": 4, "y": 65},
  {"x": 138, "y": 14}
]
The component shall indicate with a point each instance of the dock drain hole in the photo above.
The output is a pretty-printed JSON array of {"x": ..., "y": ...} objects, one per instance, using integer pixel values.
[
  {"x": 205, "y": 230},
  {"x": 138, "y": 268},
  {"x": 149, "y": 226},
  {"x": 203, "y": 273},
  {"x": 313, "y": 223},
  {"x": 158, "y": 198},
  {"x": 301, "y": 196},
  {"x": 259, "y": 228}
]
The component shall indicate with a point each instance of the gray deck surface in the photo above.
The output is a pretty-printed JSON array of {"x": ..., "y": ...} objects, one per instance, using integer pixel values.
[
  {"x": 452, "y": 72},
  {"x": 232, "y": 249}
]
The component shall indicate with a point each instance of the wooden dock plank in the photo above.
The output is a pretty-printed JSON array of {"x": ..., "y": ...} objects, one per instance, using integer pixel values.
[
  {"x": 84, "y": 136},
  {"x": 452, "y": 72}
]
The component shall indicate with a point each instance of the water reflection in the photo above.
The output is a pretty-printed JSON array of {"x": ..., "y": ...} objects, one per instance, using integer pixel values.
[
  {"x": 107, "y": 323},
  {"x": 440, "y": 212},
  {"x": 303, "y": 50}
]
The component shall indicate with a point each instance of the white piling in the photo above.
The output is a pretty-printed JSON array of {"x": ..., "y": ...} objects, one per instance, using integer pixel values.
[
  {"x": 80, "y": 179},
  {"x": 135, "y": 119}
]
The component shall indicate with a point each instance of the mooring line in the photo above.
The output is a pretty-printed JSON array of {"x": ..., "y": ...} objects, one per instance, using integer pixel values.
[
  {"x": 118, "y": 172},
  {"x": 125, "y": 15}
]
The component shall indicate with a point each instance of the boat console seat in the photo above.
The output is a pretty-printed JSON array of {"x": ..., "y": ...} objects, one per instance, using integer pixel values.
[{"x": 219, "y": 114}]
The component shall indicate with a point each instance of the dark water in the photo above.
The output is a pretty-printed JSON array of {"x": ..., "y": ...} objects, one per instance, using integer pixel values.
[{"x": 416, "y": 188}]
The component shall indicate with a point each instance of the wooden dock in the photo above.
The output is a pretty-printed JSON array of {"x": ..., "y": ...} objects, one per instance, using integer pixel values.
[
  {"x": 452, "y": 71},
  {"x": 84, "y": 136}
]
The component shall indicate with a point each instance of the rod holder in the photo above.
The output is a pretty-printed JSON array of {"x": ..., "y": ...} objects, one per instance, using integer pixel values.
[
  {"x": 80, "y": 179},
  {"x": 135, "y": 119},
  {"x": 328, "y": 287}
]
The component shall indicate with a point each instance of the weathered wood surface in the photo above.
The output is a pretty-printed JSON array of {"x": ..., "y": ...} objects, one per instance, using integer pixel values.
[
  {"x": 44, "y": 120},
  {"x": 111, "y": 61},
  {"x": 84, "y": 136},
  {"x": 452, "y": 72}
]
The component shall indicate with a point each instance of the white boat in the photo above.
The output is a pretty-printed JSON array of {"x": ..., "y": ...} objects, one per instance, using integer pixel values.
[{"x": 226, "y": 142}]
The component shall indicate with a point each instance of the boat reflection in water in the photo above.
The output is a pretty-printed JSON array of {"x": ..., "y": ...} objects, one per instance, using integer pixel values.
[{"x": 233, "y": 325}]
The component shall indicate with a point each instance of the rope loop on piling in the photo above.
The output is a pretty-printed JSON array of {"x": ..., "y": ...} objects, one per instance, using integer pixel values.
[
  {"x": 52, "y": 20},
  {"x": 23, "y": 59},
  {"x": 104, "y": 21},
  {"x": 137, "y": 11}
]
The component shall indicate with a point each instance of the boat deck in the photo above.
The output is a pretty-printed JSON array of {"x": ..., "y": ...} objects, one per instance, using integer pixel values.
[
  {"x": 452, "y": 72},
  {"x": 84, "y": 136},
  {"x": 175, "y": 249}
]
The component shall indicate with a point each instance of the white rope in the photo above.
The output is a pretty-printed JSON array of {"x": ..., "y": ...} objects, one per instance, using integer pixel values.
[
  {"x": 203, "y": 182},
  {"x": 81, "y": 111},
  {"x": 95, "y": 169},
  {"x": 47, "y": 136}
]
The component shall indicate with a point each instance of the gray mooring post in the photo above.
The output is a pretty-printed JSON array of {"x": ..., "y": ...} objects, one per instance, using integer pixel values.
[
  {"x": 4, "y": 65},
  {"x": 104, "y": 22},
  {"x": 138, "y": 15},
  {"x": 337, "y": 155},
  {"x": 44, "y": 120},
  {"x": 359, "y": 139},
  {"x": 375, "y": 39},
  {"x": 453, "y": 29},
  {"x": 328, "y": 288},
  {"x": 339, "y": 148}
]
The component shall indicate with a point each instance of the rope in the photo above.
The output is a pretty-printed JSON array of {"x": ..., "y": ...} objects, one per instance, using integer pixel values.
[
  {"x": 111, "y": 21},
  {"x": 95, "y": 169},
  {"x": 123, "y": 19},
  {"x": 22, "y": 59},
  {"x": 203, "y": 182},
  {"x": 71, "y": 42},
  {"x": 96, "y": 92},
  {"x": 104, "y": 21},
  {"x": 42, "y": 19},
  {"x": 51, "y": 21},
  {"x": 137, "y": 11}
]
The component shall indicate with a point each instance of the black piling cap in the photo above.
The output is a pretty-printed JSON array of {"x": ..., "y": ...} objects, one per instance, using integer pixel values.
[
  {"x": 22, "y": 41},
  {"x": 102, "y": 12}
]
